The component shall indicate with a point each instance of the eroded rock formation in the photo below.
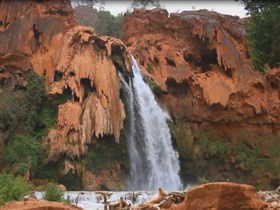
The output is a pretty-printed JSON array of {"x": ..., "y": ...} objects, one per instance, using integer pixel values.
[
  {"x": 38, "y": 205},
  {"x": 44, "y": 36},
  {"x": 220, "y": 195},
  {"x": 201, "y": 70},
  {"x": 204, "y": 56}
]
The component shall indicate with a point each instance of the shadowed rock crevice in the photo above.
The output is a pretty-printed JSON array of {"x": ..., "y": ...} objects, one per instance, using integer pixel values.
[
  {"x": 207, "y": 59},
  {"x": 170, "y": 62},
  {"x": 57, "y": 76},
  {"x": 177, "y": 89},
  {"x": 88, "y": 88}
]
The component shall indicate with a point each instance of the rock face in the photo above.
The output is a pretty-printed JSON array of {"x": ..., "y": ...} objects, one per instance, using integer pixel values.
[
  {"x": 216, "y": 195},
  {"x": 38, "y": 205},
  {"x": 44, "y": 36},
  {"x": 222, "y": 196},
  {"x": 201, "y": 70},
  {"x": 204, "y": 56},
  {"x": 104, "y": 180}
]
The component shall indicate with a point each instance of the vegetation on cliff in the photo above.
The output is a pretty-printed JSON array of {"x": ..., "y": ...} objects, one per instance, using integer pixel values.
[
  {"x": 12, "y": 188},
  {"x": 145, "y": 3},
  {"x": 28, "y": 115},
  {"x": 219, "y": 158},
  {"x": 102, "y": 21},
  {"x": 263, "y": 33}
]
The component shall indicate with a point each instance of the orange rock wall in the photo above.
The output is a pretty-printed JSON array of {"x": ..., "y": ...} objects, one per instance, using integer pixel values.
[
  {"x": 44, "y": 36},
  {"x": 201, "y": 63},
  {"x": 221, "y": 195},
  {"x": 226, "y": 116}
]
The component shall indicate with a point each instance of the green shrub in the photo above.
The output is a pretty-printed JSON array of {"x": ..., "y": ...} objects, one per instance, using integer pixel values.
[
  {"x": 46, "y": 118},
  {"x": 153, "y": 85},
  {"x": 12, "y": 188},
  {"x": 53, "y": 192},
  {"x": 217, "y": 148},
  {"x": 9, "y": 107},
  {"x": 202, "y": 180},
  {"x": 35, "y": 90},
  {"x": 23, "y": 152},
  {"x": 103, "y": 156},
  {"x": 150, "y": 68},
  {"x": 183, "y": 137}
]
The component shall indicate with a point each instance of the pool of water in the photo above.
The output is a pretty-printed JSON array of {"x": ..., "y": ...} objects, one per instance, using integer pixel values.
[{"x": 89, "y": 200}]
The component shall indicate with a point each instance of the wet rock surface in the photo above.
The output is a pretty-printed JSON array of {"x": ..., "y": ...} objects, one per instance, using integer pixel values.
[
  {"x": 224, "y": 112},
  {"x": 38, "y": 205}
]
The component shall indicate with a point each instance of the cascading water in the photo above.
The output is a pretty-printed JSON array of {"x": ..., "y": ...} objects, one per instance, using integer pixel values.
[{"x": 153, "y": 161}]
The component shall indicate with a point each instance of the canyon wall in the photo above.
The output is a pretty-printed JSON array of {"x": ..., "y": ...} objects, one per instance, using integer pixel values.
[
  {"x": 226, "y": 116},
  {"x": 44, "y": 37}
]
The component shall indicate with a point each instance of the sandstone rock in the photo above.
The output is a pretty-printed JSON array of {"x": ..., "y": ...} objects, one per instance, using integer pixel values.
[
  {"x": 62, "y": 187},
  {"x": 201, "y": 63},
  {"x": 30, "y": 198},
  {"x": 219, "y": 195},
  {"x": 110, "y": 179},
  {"x": 223, "y": 195},
  {"x": 38, "y": 205},
  {"x": 44, "y": 36}
]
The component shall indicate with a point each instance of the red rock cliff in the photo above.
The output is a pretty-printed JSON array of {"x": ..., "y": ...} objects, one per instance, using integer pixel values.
[
  {"x": 200, "y": 59},
  {"x": 202, "y": 73},
  {"x": 45, "y": 37}
]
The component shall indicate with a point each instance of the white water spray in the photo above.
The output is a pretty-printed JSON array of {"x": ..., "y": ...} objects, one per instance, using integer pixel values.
[{"x": 153, "y": 161}]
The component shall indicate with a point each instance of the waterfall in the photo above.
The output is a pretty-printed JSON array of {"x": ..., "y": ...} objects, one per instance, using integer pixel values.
[{"x": 153, "y": 161}]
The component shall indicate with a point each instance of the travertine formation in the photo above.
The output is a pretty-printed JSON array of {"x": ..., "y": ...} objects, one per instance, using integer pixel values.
[
  {"x": 38, "y": 205},
  {"x": 200, "y": 67},
  {"x": 216, "y": 195},
  {"x": 200, "y": 59},
  {"x": 44, "y": 36}
]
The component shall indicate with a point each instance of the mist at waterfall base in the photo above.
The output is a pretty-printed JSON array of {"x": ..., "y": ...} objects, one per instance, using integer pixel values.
[{"x": 153, "y": 161}]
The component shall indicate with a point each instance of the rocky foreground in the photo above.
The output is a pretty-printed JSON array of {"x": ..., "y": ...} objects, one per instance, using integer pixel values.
[
  {"x": 38, "y": 205},
  {"x": 216, "y": 195}
]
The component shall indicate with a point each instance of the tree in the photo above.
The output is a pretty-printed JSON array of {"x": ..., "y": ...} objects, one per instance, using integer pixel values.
[
  {"x": 263, "y": 33},
  {"x": 145, "y": 3},
  {"x": 89, "y": 3},
  {"x": 102, "y": 21},
  {"x": 35, "y": 90},
  {"x": 86, "y": 15},
  {"x": 252, "y": 5},
  {"x": 10, "y": 108},
  {"x": 117, "y": 27},
  {"x": 23, "y": 153}
]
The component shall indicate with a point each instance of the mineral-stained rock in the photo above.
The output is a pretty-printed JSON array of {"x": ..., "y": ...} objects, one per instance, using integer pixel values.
[
  {"x": 222, "y": 196},
  {"x": 110, "y": 179},
  {"x": 216, "y": 195},
  {"x": 203, "y": 57},
  {"x": 202, "y": 66},
  {"x": 38, "y": 205},
  {"x": 44, "y": 36}
]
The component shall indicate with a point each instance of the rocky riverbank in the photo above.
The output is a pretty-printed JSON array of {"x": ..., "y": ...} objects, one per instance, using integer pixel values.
[{"x": 216, "y": 195}]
